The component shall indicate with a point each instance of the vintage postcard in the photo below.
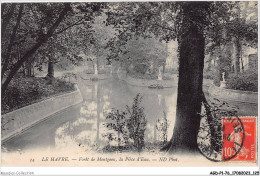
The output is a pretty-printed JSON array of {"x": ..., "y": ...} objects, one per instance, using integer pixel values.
[{"x": 171, "y": 83}]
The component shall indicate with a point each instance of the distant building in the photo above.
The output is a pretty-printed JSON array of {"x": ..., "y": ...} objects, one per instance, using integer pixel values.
[
  {"x": 253, "y": 61},
  {"x": 249, "y": 58}
]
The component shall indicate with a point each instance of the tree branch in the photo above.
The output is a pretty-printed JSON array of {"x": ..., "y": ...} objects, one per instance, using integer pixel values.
[
  {"x": 163, "y": 27},
  {"x": 34, "y": 48},
  {"x": 74, "y": 24}
]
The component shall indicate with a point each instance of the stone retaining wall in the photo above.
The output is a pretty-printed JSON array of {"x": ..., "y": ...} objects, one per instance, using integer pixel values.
[
  {"x": 208, "y": 86},
  {"x": 21, "y": 119}
]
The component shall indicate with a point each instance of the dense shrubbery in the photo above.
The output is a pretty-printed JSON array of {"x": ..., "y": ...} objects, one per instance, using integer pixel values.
[
  {"x": 213, "y": 75},
  {"x": 246, "y": 81},
  {"x": 23, "y": 91},
  {"x": 208, "y": 75},
  {"x": 141, "y": 68},
  {"x": 127, "y": 127}
]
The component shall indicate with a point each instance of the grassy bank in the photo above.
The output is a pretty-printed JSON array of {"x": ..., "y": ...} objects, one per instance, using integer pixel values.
[{"x": 24, "y": 91}]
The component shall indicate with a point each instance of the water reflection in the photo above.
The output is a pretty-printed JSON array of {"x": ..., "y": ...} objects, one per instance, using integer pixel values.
[
  {"x": 85, "y": 125},
  {"x": 107, "y": 94}
]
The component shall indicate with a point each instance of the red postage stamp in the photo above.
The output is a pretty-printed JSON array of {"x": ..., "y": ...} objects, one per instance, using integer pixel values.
[{"x": 239, "y": 139}]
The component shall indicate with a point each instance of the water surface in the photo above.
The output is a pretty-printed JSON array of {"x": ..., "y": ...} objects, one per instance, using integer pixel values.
[{"x": 84, "y": 124}]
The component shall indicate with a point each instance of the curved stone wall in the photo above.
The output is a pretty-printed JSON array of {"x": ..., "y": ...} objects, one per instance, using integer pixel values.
[
  {"x": 21, "y": 119},
  {"x": 208, "y": 86}
]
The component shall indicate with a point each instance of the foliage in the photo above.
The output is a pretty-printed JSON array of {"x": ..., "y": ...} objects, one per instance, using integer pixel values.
[
  {"x": 138, "y": 54},
  {"x": 43, "y": 31},
  {"x": 208, "y": 74},
  {"x": 118, "y": 124},
  {"x": 140, "y": 32},
  {"x": 233, "y": 25},
  {"x": 95, "y": 44},
  {"x": 137, "y": 122},
  {"x": 210, "y": 132},
  {"x": 232, "y": 19},
  {"x": 246, "y": 81},
  {"x": 68, "y": 75},
  {"x": 214, "y": 75},
  {"x": 24, "y": 91},
  {"x": 144, "y": 53},
  {"x": 129, "y": 125},
  {"x": 44, "y": 20},
  {"x": 162, "y": 126}
]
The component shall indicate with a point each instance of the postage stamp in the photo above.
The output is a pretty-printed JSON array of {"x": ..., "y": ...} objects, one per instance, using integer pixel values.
[
  {"x": 232, "y": 139},
  {"x": 239, "y": 139}
]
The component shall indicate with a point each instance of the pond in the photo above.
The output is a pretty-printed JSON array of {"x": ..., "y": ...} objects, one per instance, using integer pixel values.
[{"x": 84, "y": 124}]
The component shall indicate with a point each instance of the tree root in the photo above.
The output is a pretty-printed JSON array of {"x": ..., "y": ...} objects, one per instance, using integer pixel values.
[
  {"x": 170, "y": 147},
  {"x": 166, "y": 147}
]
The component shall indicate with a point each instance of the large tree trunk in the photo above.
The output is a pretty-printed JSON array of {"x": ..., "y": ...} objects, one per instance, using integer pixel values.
[
  {"x": 50, "y": 69},
  {"x": 237, "y": 45},
  {"x": 164, "y": 63},
  {"x": 189, "y": 92},
  {"x": 244, "y": 16},
  {"x": 7, "y": 18},
  {"x": 160, "y": 74},
  {"x": 3, "y": 6},
  {"x": 29, "y": 67},
  {"x": 95, "y": 67},
  {"x": 191, "y": 56},
  {"x": 237, "y": 51},
  {"x": 7, "y": 56},
  {"x": 241, "y": 60}
]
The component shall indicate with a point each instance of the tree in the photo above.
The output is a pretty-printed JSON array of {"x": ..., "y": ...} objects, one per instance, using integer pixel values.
[
  {"x": 191, "y": 56},
  {"x": 140, "y": 34},
  {"x": 187, "y": 20},
  {"x": 40, "y": 22},
  {"x": 232, "y": 28},
  {"x": 41, "y": 39},
  {"x": 144, "y": 54},
  {"x": 12, "y": 39},
  {"x": 96, "y": 46}
]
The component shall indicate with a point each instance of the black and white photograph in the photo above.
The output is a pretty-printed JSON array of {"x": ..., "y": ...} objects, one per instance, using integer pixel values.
[{"x": 133, "y": 84}]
